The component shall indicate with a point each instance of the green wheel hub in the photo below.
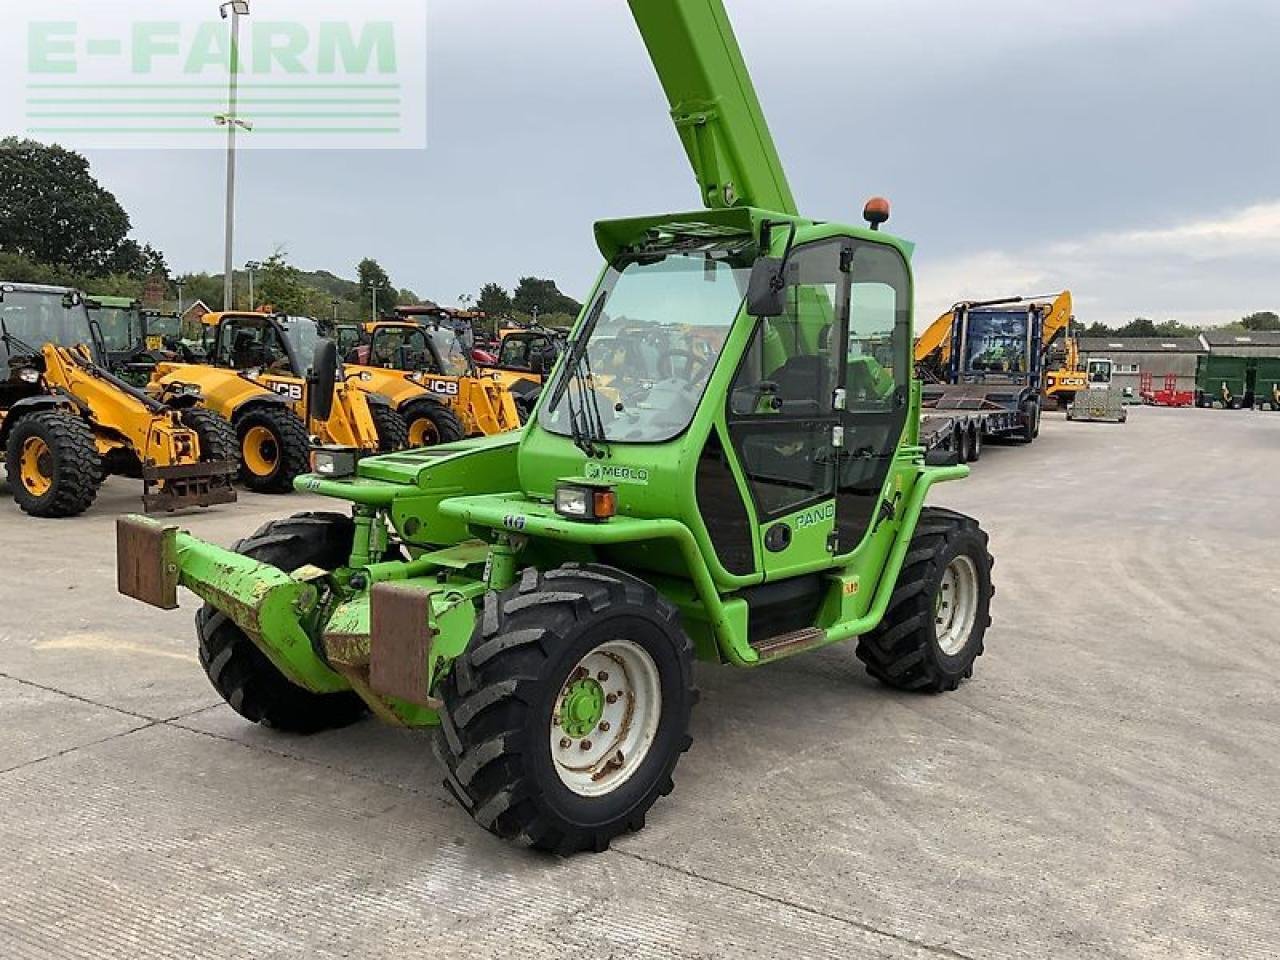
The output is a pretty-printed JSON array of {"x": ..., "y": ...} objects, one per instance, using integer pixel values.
[{"x": 581, "y": 707}]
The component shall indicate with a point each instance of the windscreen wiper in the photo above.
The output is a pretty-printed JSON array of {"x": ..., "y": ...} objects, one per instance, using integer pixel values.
[{"x": 586, "y": 426}]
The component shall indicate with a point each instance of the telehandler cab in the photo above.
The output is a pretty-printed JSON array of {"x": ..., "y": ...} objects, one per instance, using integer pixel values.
[
  {"x": 540, "y": 596},
  {"x": 135, "y": 338},
  {"x": 260, "y": 374},
  {"x": 66, "y": 421},
  {"x": 431, "y": 381}
]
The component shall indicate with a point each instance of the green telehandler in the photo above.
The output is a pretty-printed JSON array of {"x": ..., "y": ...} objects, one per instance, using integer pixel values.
[{"x": 753, "y": 491}]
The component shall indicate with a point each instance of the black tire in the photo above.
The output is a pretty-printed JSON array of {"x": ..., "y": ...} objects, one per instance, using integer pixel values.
[
  {"x": 240, "y": 672},
  {"x": 289, "y": 447},
  {"x": 501, "y": 696},
  {"x": 1030, "y": 428},
  {"x": 391, "y": 428},
  {"x": 904, "y": 650},
  {"x": 960, "y": 444},
  {"x": 975, "y": 443},
  {"x": 215, "y": 433},
  {"x": 69, "y": 464},
  {"x": 430, "y": 423}
]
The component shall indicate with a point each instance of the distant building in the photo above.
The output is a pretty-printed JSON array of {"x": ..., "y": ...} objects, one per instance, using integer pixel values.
[
  {"x": 191, "y": 319},
  {"x": 1158, "y": 356},
  {"x": 1251, "y": 343}
]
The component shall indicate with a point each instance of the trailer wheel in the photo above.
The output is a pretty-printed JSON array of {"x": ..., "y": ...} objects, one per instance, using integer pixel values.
[
  {"x": 53, "y": 464},
  {"x": 565, "y": 718},
  {"x": 392, "y": 431},
  {"x": 431, "y": 423},
  {"x": 1030, "y": 422},
  {"x": 960, "y": 444},
  {"x": 975, "y": 443},
  {"x": 240, "y": 672},
  {"x": 940, "y": 610},
  {"x": 273, "y": 448}
]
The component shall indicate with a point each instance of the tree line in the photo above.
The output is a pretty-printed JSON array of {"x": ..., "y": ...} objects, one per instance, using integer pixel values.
[
  {"x": 59, "y": 225},
  {"x": 1264, "y": 320}
]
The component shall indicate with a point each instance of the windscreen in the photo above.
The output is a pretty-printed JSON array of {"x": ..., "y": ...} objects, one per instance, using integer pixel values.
[
  {"x": 303, "y": 335},
  {"x": 997, "y": 342},
  {"x": 38, "y": 318},
  {"x": 120, "y": 327},
  {"x": 653, "y": 336},
  {"x": 401, "y": 348},
  {"x": 453, "y": 352}
]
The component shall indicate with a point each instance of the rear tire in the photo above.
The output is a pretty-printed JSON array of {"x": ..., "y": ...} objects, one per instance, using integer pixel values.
[
  {"x": 975, "y": 443},
  {"x": 53, "y": 464},
  {"x": 240, "y": 672},
  {"x": 272, "y": 448},
  {"x": 938, "y": 616},
  {"x": 525, "y": 735},
  {"x": 431, "y": 423},
  {"x": 391, "y": 428}
]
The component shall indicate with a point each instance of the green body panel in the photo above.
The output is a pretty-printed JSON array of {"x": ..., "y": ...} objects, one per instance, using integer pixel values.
[
  {"x": 1219, "y": 377},
  {"x": 1266, "y": 387}
]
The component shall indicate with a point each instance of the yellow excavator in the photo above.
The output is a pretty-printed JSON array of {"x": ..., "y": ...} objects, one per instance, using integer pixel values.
[
  {"x": 67, "y": 421},
  {"x": 933, "y": 346}
]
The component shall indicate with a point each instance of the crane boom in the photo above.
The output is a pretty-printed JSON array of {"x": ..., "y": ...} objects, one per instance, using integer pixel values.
[{"x": 714, "y": 103}]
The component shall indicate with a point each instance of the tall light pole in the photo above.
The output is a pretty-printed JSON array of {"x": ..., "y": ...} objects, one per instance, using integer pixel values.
[
  {"x": 235, "y": 9},
  {"x": 334, "y": 304},
  {"x": 179, "y": 284},
  {"x": 373, "y": 287},
  {"x": 251, "y": 266}
]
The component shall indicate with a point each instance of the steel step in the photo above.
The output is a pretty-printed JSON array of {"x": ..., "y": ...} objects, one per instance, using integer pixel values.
[{"x": 785, "y": 644}]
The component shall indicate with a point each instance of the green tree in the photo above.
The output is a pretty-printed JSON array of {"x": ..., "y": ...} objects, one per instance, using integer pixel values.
[
  {"x": 371, "y": 274},
  {"x": 53, "y": 211},
  {"x": 494, "y": 301},
  {"x": 1264, "y": 320},
  {"x": 280, "y": 284},
  {"x": 542, "y": 297},
  {"x": 1138, "y": 327}
]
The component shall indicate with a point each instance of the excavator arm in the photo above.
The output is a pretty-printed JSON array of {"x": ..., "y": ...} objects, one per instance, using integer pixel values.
[{"x": 714, "y": 104}]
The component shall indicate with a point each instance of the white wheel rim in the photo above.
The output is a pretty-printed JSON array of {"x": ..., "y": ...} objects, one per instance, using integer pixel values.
[
  {"x": 617, "y": 744},
  {"x": 955, "y": 608}
]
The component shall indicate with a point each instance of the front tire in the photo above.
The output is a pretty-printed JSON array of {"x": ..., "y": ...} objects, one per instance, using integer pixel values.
[
  {"x": 937, "y": 619},
  {"x": 431, "y": 423},
  {"x": 392, "y": 431},
  {"x": 273, "y": 448},
  {"x": 241, "y": 673},
  {"x": 216, "y": 435},
  {"x": 565, "y": 718},
  {"x": 53, "y": 464}
]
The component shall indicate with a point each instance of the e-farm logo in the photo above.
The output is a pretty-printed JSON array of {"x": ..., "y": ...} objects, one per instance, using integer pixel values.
[{"x": 277, "y": 74}]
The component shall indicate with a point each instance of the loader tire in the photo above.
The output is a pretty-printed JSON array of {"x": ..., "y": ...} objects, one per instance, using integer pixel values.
[
  {"x": 563, "y": 721},
  {"x": 215, "y": 433},
  {"x": 240, "y": 672},
  {"x": 272, "y": 448},
  {"x": 938, "y": 615},
  {"x": 391, "y": 428},
  {"x": 431, "y": 423},
  {"x": 53, "y": 464}
]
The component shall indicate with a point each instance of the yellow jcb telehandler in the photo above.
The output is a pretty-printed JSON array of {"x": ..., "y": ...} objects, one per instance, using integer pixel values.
[
  {"x": 259, "y": 373},
  {"x": 66, "y": 421},
  {"x": 429, "y": 377}
]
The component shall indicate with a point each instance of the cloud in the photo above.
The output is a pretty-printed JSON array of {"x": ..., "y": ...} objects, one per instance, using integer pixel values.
[{"x": 1204, "y": 271}]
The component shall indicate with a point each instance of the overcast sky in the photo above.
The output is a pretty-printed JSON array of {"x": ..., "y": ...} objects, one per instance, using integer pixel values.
[{"x": 1127, "y": 149}]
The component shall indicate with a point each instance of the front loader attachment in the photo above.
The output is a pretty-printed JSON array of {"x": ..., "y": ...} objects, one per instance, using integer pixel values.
[{"x": 204, "y": 484}]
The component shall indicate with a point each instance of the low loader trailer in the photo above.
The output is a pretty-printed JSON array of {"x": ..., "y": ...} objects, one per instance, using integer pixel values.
[{"x": 539, "y": 597}]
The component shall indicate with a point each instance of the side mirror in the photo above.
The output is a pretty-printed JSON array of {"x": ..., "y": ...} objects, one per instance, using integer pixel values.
[
  {"x": 937, "y": 457},
  {"x": 323, "y": 381},
  {"x": 766, "y": 291}
]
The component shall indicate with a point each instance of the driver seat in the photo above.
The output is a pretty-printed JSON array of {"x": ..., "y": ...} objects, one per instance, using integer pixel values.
[{"x": 804, "y": 384}]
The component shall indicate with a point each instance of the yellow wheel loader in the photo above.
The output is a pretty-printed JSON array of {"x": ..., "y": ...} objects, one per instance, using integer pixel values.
[
  {"x": 427, "y": 374},
  {"x": 259, "y": 373},
  {"x": 66, "y": 421}
]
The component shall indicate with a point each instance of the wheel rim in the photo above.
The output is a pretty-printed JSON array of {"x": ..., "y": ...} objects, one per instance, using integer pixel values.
[
  {"x": 955, "y": 608},
  {"x": 606, "y": 717},
  {"x": 260, "y": 451},
  {"x": 423, "y": 432},
  {"x": 36, "y": 466}
]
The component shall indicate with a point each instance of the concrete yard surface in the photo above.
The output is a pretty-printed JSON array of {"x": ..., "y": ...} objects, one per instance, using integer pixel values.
[{"x": 1107, "y": 786}]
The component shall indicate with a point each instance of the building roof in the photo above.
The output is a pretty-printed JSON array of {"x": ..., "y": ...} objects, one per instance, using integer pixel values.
[
  {"x": 1141, "y": 345},
  {"x": 1239, "y": 338}
]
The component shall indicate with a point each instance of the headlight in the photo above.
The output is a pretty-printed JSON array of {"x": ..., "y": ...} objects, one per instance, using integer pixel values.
[
  {"x": 29, "y": 375},
  {"x": 581, "y": 502},
  {"x": 333, "y": 462}
]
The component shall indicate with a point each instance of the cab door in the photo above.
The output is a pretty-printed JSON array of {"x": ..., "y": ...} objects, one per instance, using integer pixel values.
[{"x": 781, "y": 417}]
